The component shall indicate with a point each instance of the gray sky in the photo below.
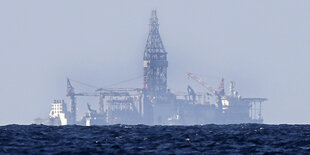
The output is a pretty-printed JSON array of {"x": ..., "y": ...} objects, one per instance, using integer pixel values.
[{"x": 262, "y": 45}]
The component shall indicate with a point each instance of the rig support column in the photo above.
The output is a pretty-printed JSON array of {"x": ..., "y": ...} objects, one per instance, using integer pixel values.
[{"x": 71, "y": 94}]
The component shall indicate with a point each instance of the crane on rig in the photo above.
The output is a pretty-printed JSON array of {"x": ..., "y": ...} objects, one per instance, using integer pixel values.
[
  {"x": 71, "y": 93},
  {"x": 219, "y": 93}
]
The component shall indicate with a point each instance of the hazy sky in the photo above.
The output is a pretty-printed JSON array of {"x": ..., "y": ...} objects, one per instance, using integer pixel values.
[{"x": 262, "y": 45}]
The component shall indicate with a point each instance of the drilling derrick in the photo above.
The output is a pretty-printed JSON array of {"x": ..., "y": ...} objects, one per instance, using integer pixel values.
[
  {"x": 155, "y": 71},
  {"x": 155, "y": 61}
]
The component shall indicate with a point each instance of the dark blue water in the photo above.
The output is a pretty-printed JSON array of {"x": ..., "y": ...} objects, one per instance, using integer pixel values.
[{"x": 140, "y": 139}]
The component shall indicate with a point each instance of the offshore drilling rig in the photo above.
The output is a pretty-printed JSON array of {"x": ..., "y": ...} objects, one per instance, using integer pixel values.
[{"x": 155, "y": 104}]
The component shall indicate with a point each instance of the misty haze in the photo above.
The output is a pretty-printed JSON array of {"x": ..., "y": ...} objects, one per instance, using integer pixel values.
[
  {"x": 261, "y": 46},
  {"x": 154, "y": 77}
]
